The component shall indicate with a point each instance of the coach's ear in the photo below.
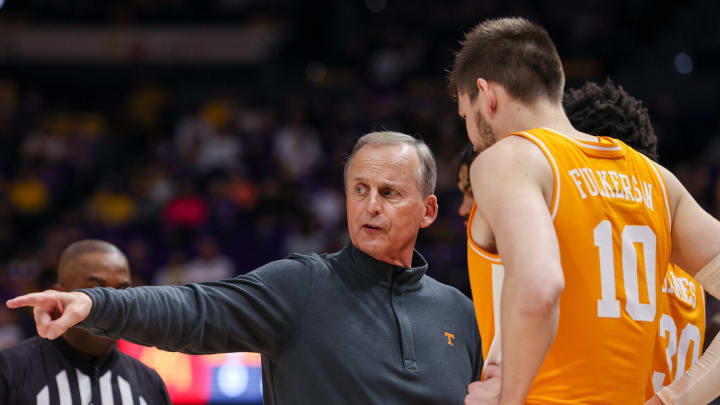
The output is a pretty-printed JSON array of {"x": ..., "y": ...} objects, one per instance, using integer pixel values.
[{"x": 431, "y": 211}]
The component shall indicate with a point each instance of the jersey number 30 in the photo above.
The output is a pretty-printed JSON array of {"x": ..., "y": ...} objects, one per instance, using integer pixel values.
[
  {"x": 690, "y": 334},
  {"x": 608, "y": 304}
]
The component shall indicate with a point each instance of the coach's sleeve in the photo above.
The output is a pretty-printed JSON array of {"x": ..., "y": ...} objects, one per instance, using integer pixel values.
[
  {"x": 478, "y": 362},
  {"x": 5, "y": 375},
  {"x": 255, "y": 312}
]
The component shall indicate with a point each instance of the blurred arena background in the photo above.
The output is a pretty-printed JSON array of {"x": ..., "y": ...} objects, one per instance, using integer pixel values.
[{"x": 205, "y": 138}]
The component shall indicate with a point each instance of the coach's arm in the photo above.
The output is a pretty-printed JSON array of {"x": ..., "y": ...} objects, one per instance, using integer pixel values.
[{"x": 254, "y": 312}]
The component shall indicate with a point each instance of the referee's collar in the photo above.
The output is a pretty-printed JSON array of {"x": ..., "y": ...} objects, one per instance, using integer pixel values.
[
  {"x": 87, "y": 364},
  {"x": 386, "y": 274}
]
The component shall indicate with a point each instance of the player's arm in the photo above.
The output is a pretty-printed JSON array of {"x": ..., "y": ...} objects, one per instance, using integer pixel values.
[
  {"x": 695, "y": 233},
  {"x": 513, "y": 178},
  {"x": 696, "y": 248}
]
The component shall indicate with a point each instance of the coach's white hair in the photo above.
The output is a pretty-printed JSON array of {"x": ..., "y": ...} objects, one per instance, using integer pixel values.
[{"x": 428, "y": 168}]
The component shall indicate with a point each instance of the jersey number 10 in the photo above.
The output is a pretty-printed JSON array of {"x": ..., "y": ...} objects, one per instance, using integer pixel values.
[{"x": 608, "y": 304}]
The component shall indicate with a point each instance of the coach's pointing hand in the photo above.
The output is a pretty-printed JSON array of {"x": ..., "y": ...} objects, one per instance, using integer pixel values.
[{"x": 55, "y": 312}]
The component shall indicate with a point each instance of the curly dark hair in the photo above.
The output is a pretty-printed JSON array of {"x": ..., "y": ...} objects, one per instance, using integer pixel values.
[
  {"x": 608, "y": 110},
  {"x": 466, "y": 157}
]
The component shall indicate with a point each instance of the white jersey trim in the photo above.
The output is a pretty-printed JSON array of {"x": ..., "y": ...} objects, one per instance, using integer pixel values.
[
  {"x": 614, "y": 148},
  {"x": 481, "y": 253},
  {"x": 556, "y": 171},
  {"x": 662, "y": 186},
  {"x": 494, "y": 355}
]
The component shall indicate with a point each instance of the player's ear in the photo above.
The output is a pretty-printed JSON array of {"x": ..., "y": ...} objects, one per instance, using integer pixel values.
[
  {"x": 431, "y": 211},
  {"x": 487, "y": 90},
  {"x": 482, "y": 85}
]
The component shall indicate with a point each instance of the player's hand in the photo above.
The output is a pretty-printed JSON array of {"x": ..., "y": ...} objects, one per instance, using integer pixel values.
[
  {"x": 55, "y": 312},
  {"x": 486, "y": 392},
  {"x": 654, "y": 401}
]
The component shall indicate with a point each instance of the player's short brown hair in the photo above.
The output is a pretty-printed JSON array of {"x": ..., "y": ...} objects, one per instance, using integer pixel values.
[{"x": 513, "y": 52}]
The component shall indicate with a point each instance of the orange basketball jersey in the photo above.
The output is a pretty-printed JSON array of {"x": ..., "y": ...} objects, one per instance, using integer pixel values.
[
  {"x": 681, "y": 333},
  {"x": 612, "y": 218}
]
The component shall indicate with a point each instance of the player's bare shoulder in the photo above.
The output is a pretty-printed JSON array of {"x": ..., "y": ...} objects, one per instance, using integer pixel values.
[
  {"x": 676, "y": 191},
  {"x": 512, "y": 156}
]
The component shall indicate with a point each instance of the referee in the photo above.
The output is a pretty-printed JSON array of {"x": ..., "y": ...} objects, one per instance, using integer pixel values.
[{"x": 80, "y": 368}]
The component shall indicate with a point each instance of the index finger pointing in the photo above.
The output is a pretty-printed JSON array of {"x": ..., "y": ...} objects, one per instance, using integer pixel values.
[{"x": 26, "y": 300}]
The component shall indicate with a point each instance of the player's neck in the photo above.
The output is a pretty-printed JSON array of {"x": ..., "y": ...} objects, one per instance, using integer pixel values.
[
  {"x": 87, "y": 343},
  {"x": 542, "y": 115}
]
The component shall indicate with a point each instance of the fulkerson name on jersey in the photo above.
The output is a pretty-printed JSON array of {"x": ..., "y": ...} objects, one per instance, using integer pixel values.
[
  {"x": 611, "y": 184},
  {"x": 681, "y": 287}
]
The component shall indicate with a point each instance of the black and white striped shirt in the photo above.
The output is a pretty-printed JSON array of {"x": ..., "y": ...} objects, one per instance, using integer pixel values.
[{"x": 42, "y": 372}]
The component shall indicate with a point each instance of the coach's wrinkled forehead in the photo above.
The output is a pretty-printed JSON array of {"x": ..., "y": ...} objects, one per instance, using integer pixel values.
[{"x": 427, "y": 176}]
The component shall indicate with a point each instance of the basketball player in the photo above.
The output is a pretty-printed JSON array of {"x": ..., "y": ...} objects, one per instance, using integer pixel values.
[
  {"x": 575, "y": 215},
  {"x": 80, "y": 368},
  {"x": 608, "y": 110}
]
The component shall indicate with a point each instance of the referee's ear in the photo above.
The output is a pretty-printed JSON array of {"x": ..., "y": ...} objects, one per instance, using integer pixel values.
[{"x": 58, "y": 287}]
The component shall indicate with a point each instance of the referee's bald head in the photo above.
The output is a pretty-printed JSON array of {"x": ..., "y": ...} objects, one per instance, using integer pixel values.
[{"x": 90, "y": 263}]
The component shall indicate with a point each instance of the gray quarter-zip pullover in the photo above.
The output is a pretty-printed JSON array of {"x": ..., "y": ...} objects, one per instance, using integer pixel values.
[{"x": 340, "y": 328}]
